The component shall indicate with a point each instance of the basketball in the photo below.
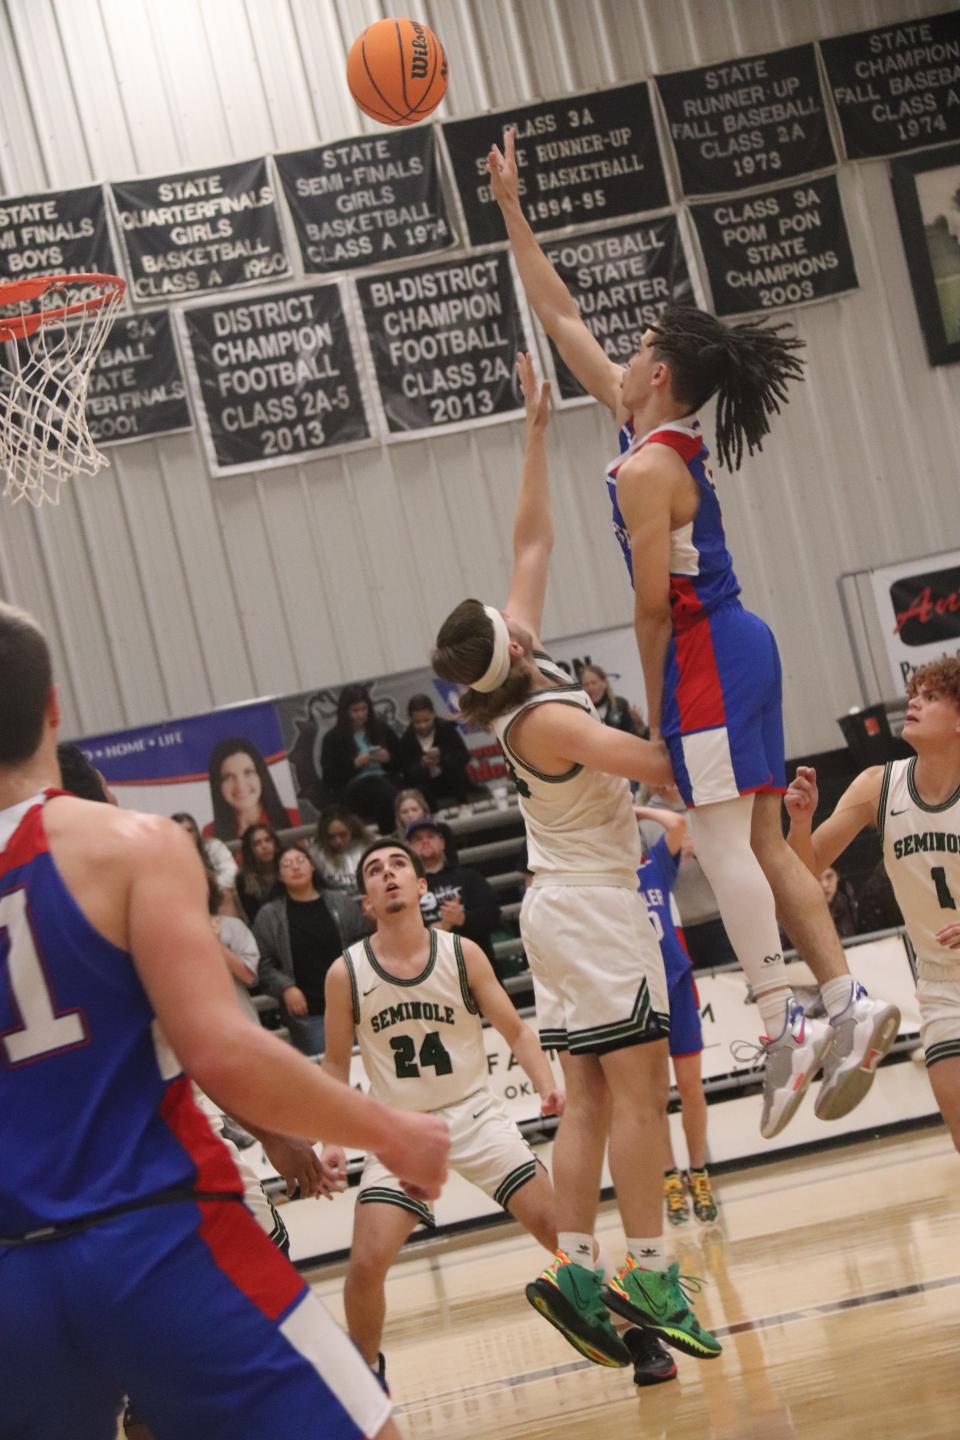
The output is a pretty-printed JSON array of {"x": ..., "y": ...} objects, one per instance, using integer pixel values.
[{"x": 397, "y": 71}]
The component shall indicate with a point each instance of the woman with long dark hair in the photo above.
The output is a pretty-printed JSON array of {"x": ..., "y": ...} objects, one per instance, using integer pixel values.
[
  {"x": 258, "y": 876},
  {"x": 339, "y": 841},
  {"x": 243, "y": 791},
  {"x": 360, "y": 759}
]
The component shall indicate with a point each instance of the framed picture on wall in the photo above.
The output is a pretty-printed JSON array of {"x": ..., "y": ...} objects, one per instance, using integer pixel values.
[{"x": 926, "y": 188}]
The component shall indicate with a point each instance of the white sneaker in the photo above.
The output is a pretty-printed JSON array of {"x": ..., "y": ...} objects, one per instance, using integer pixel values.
[
  {"x": 790, "y": 1061},
  {"x": 863, "y": 1035}
]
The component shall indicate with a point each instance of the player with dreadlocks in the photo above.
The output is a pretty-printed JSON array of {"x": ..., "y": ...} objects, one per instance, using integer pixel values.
[{"x": 711, "y": 668}]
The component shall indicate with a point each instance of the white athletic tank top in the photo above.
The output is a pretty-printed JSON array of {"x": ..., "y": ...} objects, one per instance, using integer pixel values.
[
  {"x": 921, "y": 853},
  {"x": 581, "y": 824},
  {"x": 421, "y": 1040}
]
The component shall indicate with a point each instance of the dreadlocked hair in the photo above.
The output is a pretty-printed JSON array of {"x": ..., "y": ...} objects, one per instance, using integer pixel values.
[
  {"x": 746, "y": 366},
  {"x": 462, "y": 653}
]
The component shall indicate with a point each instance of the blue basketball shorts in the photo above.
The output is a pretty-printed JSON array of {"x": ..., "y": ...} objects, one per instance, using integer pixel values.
[
  {"x": 722, "y": 716},
  {"x": 686, "y": 1031},
  {"x": 191, "y": 1311}
]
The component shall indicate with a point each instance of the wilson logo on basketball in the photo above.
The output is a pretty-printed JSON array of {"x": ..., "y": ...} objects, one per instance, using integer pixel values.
[
  {"x": 419, "y": 53},
  {"x": 927, "y": 606}
]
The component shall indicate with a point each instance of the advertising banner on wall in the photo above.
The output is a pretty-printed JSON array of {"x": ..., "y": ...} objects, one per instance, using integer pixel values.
[
  {"x": 747, "y": 122},
  {"x": 581, "y": 159},
  {"x": 200, "y": 230},
  {"x": 896, "y": 87},
  {"x": 136, "y": 386},
  {"x": 227, "y": 769},
  {"x": 918, "y": 603},
  {"x": 372, "y": 198},
  {"x": 275, "y": 378},
  {"x": 621, "y": 280},
  {"x": 776, "y": 248}
]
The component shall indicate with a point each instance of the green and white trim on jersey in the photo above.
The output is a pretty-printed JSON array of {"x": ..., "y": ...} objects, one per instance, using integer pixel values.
[
  {"x": 382, "y": 1195},
  {"x": 944, "y": 1050},
  {"x": 513, "y": 1182}
]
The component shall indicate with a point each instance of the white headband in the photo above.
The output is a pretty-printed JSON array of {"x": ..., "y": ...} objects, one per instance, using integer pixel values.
[{"x": 499, "y": 667}]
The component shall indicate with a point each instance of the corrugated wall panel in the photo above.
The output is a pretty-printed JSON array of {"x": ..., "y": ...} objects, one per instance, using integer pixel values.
[{"x": 165, "y": 591}]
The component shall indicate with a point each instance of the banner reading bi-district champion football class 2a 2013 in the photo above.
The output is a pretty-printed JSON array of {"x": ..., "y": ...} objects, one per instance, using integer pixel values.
[
  {"x": 136, "y": 387},
  {"x": 363, "y": 200},
  {"x": 621, "y": 281},
  {"x": 200, "y": 230},
  {"x": 897, "y": 87},
  {"x": 776, "y": 248},
  {"x": 444, "y": 340},
  {"x": 61, "y": 232},
  {"x": 579, "y": 160},
  {"x": 275, "y": 378}
]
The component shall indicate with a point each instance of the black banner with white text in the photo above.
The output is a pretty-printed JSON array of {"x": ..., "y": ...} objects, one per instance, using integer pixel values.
[
  {"x": 136, "y": 387},
  {"x": 58, "y": 233}
]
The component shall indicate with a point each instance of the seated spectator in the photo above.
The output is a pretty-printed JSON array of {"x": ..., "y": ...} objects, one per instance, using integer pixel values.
[
  {"x": 434, "y": 756},
  {"x": 612, "y": 709},
  {"x": 217, "y": 861},
  {"x": 80, "y": 777},
  {"x": 239, "y": 949},
  {"x": 243, "y": 792},
  {"x": 359, "y": 757},
  {"x": 412, "y": 805},
  {"x": 877, "y": 908},
  {"x": 258, "y": 878},
  {"x": 458, "y": 898},
  {"x": 299, "y": 935},
  {"x": 338, "y": 843},
  {"x": 841, "y": 902}
]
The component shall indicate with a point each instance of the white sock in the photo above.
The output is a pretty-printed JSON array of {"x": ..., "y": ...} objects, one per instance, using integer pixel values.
[
  {"x": 838, "y": 994},
  {"x": 647, "y": 1251},
  {"x": 773, "y": 1011},
  {"x": 577, "y": 1245},
  {"x": 601, "y": 1260}
]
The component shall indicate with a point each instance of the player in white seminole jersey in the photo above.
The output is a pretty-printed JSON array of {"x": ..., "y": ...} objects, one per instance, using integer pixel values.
[
  {"x": 711, "y": 669},
  {"x": 915, "y": 805},
  {"x": 597, "y": 968},
  {"x": 414, "y": 997}
]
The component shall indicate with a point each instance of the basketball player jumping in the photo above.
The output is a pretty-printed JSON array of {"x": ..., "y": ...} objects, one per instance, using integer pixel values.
[
  {"x": 711, "y": 669},
  {"x": 128, "y": 1262},
  {"x": 915, "y": 806},
  {"x": 597, "y": 970}
]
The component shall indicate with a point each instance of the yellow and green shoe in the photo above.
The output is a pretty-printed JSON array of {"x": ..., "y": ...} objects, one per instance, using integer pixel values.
[
  {"x": 658, "y": 1301},
  {"x": 569, "y": 1296}
]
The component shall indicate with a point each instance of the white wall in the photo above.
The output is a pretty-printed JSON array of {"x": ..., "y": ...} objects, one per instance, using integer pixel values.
[{"x": 165, "y": 592}]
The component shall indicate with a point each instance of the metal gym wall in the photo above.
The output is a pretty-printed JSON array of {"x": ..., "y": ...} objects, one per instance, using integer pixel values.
[{"x": 165, "y": 592}]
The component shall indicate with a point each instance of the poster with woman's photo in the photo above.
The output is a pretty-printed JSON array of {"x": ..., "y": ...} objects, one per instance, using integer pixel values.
[
  {"x": 926, "y": 188},
  {"x": 228, "y": 769}
]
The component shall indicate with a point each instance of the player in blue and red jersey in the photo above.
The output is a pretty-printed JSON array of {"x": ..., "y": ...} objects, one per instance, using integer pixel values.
[
  {"x": 127, "y": 1261},
  {"x": 711, "y": 668}
]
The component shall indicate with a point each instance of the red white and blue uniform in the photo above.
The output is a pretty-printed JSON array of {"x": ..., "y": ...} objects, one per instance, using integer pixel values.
[
  {"x": 657, "y": 875},
  {"x": 722, "y": 714},
  {"x": 128, "y": 1263}
]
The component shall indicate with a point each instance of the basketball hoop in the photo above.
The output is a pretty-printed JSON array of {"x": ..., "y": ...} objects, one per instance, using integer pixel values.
[{"x": 52, "y": 327}]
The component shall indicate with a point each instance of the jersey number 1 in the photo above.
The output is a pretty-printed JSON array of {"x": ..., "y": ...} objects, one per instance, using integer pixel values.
[
  {"x": 944, "y": 897},
  {"x": 432, "y": 1053},
  {"x": 40, "y": 1031}
]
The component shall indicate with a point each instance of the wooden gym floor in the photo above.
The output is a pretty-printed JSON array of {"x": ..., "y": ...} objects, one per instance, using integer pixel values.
[{"x": 833, "y": 1281}]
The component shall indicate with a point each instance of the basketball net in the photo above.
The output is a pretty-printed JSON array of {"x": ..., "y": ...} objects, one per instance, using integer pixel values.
[{"x": 54, "y": 327}]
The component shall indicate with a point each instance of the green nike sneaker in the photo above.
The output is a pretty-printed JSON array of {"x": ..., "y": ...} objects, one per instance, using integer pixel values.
[
  {"x": 568, "y": 1295},
  {"x": 657, "y": 1300}
]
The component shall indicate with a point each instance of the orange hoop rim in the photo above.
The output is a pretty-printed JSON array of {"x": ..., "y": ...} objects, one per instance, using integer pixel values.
[{"x": 18, "y": 292}]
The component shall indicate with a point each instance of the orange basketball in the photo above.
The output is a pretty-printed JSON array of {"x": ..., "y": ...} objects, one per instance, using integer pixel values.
[{"x": 397, "y": 71}]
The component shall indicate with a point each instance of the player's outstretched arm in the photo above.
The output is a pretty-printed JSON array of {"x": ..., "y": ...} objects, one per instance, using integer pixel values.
[
  {"x": 565, "y": 735},
  {"x": 496, "y": 1006},
  {"x": 644, "y": 490},
  {"x": 856, "y": 809},
  {"x": 533, "y": 518},
  {"x": 243, "y": 1068},
  {"x": 338, "y": 1027},
  {"x": 549, "y": 298}
]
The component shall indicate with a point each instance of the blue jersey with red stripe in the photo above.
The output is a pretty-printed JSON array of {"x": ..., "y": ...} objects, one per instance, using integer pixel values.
[
  {"x": 95, "y": 1112},
  {"x": 701, "y": 570},
  {"x": 656, "y": 875}
]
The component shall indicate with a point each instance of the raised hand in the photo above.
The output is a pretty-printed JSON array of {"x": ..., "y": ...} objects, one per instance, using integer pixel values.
[
  {"x": 536, "y": 398},
  {"x": 503, "y": 170},
  {"x": 802, "y": 797}
]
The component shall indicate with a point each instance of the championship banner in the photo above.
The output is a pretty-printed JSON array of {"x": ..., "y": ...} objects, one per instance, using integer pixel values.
[
  {"x": 227, "y": 769},
  {"x": 897, "y": 87},
  {"x": 200, "y": 230},
  {"x": 918, "y": 605},
  {"x": 777, "y": 248},
  {"x": 747, "y": 122},
  {"x": 621, "y": 280},
  {"x": 364, "y": 200},
  {"x": 136, "y": 386},
  {"x": 60, "y": 232},
  {"x": 580, "y": 160},
  {"x": 444, "y": 340},
  {"x": 275, "y": 379}
]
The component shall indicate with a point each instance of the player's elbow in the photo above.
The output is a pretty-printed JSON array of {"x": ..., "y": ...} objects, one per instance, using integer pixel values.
[{"x": 222, "y": 1061}]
